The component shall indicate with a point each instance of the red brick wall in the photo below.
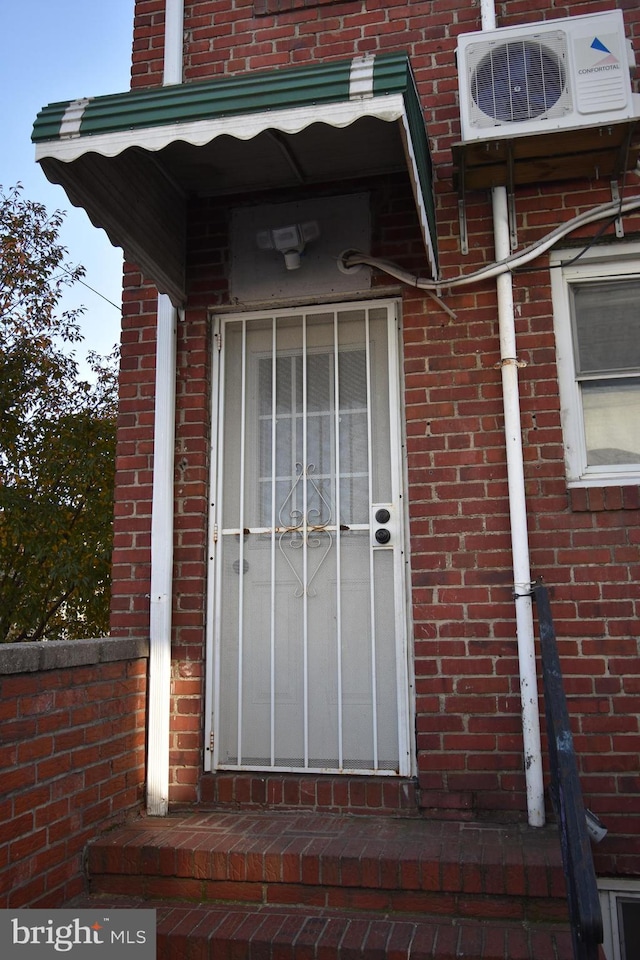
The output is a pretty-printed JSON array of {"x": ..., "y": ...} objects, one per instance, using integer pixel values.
[
  {"x": 585, "y": 544},
  {"x": 148, "y": 43},
  {"x": 72, "y": 738},
  {"x": 134, "y": 459}
]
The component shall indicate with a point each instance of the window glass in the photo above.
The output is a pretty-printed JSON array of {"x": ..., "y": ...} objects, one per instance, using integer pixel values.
[
  {"x": 607, "y": 330},
  {"x": 318, "y": 435},
  {"x": 606, "y": 337},
  {"x": 629, "y": 926},
  {"x": 612, "y": 421}
]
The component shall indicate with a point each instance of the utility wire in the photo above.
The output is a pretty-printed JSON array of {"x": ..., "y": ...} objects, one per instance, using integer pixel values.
[
  {"x": 17, "y": 303},
  {"x": 97, "y": 292}
]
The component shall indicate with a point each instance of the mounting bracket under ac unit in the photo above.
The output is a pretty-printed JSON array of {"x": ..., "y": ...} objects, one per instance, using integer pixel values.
[
  {"x": 511, "y": 205},
  {"x": 600, "y": 152}
]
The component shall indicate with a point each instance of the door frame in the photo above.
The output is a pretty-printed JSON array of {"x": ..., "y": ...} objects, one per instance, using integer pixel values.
[{"x": 402, "y": 583}]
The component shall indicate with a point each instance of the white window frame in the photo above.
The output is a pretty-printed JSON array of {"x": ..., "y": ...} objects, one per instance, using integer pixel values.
[
  {"x": 611, "y": 889},
  {"x": 601, "y": 263}
]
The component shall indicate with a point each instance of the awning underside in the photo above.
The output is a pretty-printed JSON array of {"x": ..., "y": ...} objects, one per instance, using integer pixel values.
[{"x": 132, "y": 163}]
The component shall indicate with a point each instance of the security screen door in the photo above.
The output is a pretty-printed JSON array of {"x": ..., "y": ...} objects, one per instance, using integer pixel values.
[{"x": 307, "y": 606}]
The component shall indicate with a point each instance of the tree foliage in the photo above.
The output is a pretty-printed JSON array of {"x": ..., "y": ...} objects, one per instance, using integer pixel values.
[{"x": 57, "y": 442}]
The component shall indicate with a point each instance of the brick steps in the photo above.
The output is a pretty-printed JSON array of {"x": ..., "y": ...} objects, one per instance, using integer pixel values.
[
  {"x": 309, "y": 886},
  {"x": 243, "y": 932}
]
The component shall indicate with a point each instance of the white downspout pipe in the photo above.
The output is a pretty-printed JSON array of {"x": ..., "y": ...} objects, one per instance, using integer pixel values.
[
  {"x": 162, "y": 498},
  {"x": 173, "y": 41},
  {"x": 517, "y": 503},
  {"x": 161, "y": 562}
]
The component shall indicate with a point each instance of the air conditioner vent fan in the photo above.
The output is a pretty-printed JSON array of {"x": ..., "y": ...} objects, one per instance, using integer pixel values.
[{"x": 520, "y": 80}]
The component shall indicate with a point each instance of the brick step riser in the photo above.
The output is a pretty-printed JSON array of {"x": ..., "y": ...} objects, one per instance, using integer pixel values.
[
  {"x": 432, "y": 903},
  {"x": 433, "y": 946},
  {"x": 254, "y": 932},
  {"x": 371, "y": 796}
]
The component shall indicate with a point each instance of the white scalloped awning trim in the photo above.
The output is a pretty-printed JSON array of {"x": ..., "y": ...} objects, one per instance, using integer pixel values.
[{"x": 71, "y": 146}]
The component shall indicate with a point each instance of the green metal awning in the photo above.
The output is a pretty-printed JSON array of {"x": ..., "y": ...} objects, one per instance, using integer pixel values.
[{"x": 131, "y": 160}]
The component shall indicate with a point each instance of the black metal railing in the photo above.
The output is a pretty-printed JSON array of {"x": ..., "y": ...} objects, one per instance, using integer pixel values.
[{"x": 582, "y": 891}]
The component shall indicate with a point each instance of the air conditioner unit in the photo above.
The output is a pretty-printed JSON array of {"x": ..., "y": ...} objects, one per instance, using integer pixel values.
[{"x": 552, "y": 75}]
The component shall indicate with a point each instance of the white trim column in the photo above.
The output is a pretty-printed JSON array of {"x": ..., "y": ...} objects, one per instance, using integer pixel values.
[{"x": 159, "y": 696}]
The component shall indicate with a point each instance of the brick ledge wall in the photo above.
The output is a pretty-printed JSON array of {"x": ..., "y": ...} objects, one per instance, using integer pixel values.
[{"x": 72, "y": 759}]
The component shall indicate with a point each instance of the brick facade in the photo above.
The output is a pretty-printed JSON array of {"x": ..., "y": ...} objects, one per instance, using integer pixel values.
[{"x": 583, "y": 542}]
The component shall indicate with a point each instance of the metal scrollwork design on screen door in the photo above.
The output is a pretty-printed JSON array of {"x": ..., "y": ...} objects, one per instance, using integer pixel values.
[{"x": 301, "y": 528}]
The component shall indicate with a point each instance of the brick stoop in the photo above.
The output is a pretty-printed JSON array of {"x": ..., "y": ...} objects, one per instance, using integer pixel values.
[{"x": 309, "y": 886}]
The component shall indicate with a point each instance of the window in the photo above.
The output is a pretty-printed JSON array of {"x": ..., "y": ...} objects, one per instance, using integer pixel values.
[
  {"x": 597, "y": 324},
  {"x": 620, "y": 904},
  {"x": 318, "y": 410}
]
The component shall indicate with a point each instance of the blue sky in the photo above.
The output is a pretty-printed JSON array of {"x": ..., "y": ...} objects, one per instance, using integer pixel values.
[{"x": 59, "y": 50}]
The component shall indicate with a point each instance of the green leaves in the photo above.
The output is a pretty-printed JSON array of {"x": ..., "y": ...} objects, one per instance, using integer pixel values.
[{"x": 57, "y": 442}]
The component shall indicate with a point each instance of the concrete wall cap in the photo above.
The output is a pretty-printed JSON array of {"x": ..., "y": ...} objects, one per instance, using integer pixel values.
[{"x": 38, "y": 655}]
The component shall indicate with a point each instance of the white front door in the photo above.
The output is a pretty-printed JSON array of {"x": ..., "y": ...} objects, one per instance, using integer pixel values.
[{"x": 308, "y": 635}]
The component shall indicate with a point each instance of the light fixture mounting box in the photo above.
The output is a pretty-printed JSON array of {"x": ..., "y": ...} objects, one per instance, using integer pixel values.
[{"x": 326, "y": 225}]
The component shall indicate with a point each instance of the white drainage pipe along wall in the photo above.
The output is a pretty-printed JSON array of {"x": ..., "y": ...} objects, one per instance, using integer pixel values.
[
  {"x": 162, "y": 499},
  {"x": 517, "y": 503}
]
